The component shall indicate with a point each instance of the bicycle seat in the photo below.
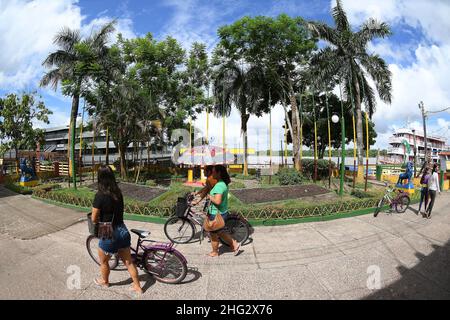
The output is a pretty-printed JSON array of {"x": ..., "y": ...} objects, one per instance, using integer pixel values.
[{"x": 141, "y": 233}]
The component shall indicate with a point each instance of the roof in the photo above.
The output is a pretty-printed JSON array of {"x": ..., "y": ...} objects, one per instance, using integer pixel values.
[{"x": 56, "y": 129}]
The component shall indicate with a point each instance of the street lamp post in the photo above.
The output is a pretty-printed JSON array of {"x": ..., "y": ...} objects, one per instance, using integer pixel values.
[{"x": 335, "y": 119}]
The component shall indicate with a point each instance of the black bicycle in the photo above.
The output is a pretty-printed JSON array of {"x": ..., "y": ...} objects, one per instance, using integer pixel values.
[{"x": 182, "y": 227}]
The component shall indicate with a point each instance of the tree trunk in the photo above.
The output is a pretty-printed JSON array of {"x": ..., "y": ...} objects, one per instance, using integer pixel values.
[
  {"x": 359, "y": 123},
  {"x": 73, "y": 127},
  {"x": 296, "y": 130},
  {"x": 244, "y": 121},
  {"x": 123, "y": 169},
  {"x": 107, "y": 146},
  {"x": 16, "y": 151}
]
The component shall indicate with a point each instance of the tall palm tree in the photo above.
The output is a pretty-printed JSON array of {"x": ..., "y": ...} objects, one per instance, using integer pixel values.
[
  {"x": 348, "y": 60},
  {"x": 242, "y": 86},
  {"x": 71, "y": 65}
]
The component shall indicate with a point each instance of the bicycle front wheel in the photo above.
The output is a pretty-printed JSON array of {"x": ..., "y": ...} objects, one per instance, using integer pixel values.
[
  {"x": 92, "y": 248},
  {"x": 402, "y": 204},
  {"x": 379, "y": 206},
  {"x": 238, "y": 229},
  {"x": 179, "y": 230},
  {"x": 166, "y": 266}
]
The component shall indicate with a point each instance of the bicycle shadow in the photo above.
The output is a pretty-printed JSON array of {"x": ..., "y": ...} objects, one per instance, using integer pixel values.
[{"x": 192, "y": 275}]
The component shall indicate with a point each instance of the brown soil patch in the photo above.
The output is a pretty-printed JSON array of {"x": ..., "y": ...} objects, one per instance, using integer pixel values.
[{"x": 260, "y": 195}]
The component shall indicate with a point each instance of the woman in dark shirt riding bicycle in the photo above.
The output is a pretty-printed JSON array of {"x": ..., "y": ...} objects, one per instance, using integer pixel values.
[{"x": 108, "y": 207}]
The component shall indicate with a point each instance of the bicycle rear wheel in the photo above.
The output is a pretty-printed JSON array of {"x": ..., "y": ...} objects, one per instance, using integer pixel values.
[
  {"x": 92, "y": 248},
  {"x": 166, "y": 266},
  {"x": 238, "y": 229},
  {"x": 179, "y": 230},
  {"x": 402, "y": 204}
]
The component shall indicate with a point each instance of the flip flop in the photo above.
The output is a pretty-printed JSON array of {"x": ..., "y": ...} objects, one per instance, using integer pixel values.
[{"x": 238, "y": 250}]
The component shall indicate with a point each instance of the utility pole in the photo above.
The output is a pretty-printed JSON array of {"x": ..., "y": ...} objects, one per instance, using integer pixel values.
[
  {"x": 424, "y": 117},
  {"x": 415, "y": 153}
]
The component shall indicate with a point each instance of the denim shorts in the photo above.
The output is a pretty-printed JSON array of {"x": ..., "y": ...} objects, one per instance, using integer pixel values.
[{"x": 121, "y": 240}]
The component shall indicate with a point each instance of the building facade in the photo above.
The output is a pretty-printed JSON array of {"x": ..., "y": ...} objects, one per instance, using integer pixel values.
[
  {"x": 57, "y": 142},
  {"x": 400, "y": 140}
]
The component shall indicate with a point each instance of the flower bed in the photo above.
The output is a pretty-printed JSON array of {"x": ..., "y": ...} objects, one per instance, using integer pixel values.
[{"x": 262, "y": 213}]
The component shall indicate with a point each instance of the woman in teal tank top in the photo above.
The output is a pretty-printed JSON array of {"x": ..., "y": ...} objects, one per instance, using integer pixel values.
[{"x": 219, "y": 205}]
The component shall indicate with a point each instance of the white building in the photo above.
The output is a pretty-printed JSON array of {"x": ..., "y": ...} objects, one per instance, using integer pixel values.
[{"x": 398, "y": 149}]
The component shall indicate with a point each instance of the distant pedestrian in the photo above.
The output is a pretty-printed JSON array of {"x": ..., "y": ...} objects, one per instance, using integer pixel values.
[
  {"x": 108, "y": 208},
  {"x": 424, "y": 190},
  {"x": 433, "y": 187}
]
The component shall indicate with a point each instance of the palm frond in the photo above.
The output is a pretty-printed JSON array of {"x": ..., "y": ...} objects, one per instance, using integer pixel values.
[
  {"x": 51, "y": 78},
  {"x": 380, "y": 73},
  {"x": 340, "y": 17},
  {"x": 369, "y": 97},
  {"x": 323, "y": 31},
  {"x": 370, "y": 30},
  {"x": 58, "y": 58},
  {"x": 67, "y": 38},
  {"x": 101, "y": 37}
]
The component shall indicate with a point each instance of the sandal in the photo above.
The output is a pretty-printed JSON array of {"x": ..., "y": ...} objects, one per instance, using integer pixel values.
[
  {"x": 238, "y": 249},
  {"x": 100, "y": 284}
]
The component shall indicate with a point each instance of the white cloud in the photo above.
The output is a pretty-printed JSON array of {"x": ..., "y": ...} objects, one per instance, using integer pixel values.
[
  {"x": 27, "y": 29},
  {"x": 123, "y": 26},
  {"x": 419, "y": 70},
  {"x": 430, "y": 16},
  {"x": 258, "y": 129},
  {"x": 198, "y": 21}
]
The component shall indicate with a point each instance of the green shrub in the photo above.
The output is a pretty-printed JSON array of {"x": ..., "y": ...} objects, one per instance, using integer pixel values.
[
  {"x": 46, "y": 175},
  {"x": 151, "y": 183},
  {"x": 18, "y": 188},
  {"x": 237, "y": 185},
  {"x": 322, "y": 168},
  {"x": 270, "y": 180},
  {"x": 243, "y": 177},
  {"x": 289, "y": 176},
  {"x": 360, "y": 194},
  {"x": 47, "y": 187}
]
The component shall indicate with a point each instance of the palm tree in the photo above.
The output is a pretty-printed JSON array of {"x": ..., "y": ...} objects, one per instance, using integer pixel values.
[
  {"x": 242, "y": 86},
  {"x": 71, "y": 65},
  {"x": 348, "y": 60}
]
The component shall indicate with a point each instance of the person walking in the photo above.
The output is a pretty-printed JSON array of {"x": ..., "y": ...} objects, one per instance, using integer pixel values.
[
  {"x": 433, "y": 187},
  {"x": 218, "y": 197},
  {"x": 424, "y": 190},
  {"x": 108, "y": 206}
]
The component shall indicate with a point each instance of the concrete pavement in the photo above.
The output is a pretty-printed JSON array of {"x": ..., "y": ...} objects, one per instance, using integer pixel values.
[{"x": 339, "y": 259}]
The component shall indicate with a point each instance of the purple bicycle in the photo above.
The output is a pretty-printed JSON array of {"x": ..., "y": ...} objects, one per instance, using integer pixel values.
[{"x": 161, "y": 260}]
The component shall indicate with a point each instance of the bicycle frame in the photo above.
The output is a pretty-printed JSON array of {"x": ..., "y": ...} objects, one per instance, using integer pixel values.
[
  {"x": 166, "y": 247},
  {"x": 392, "y": 200},
  {"x": 189, "y": 215}
]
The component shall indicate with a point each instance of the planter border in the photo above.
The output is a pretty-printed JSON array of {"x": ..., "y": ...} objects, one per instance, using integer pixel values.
[{"x": 253, "y": 222}]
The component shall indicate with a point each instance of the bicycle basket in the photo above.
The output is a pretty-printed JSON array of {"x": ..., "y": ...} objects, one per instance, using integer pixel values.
[
  {"x": 181, "y": 208},
  {"x": 93, "y": 227}
]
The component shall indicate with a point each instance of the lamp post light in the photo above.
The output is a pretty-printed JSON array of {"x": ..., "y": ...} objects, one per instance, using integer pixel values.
[{"x": 335, "y": 120}]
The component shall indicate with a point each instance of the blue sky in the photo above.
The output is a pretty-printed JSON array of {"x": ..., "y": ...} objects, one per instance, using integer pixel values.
[{"x": 418, "y": 52}]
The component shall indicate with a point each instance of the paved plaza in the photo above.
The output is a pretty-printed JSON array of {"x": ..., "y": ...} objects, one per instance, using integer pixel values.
[{"x": 42, "y": 245}]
